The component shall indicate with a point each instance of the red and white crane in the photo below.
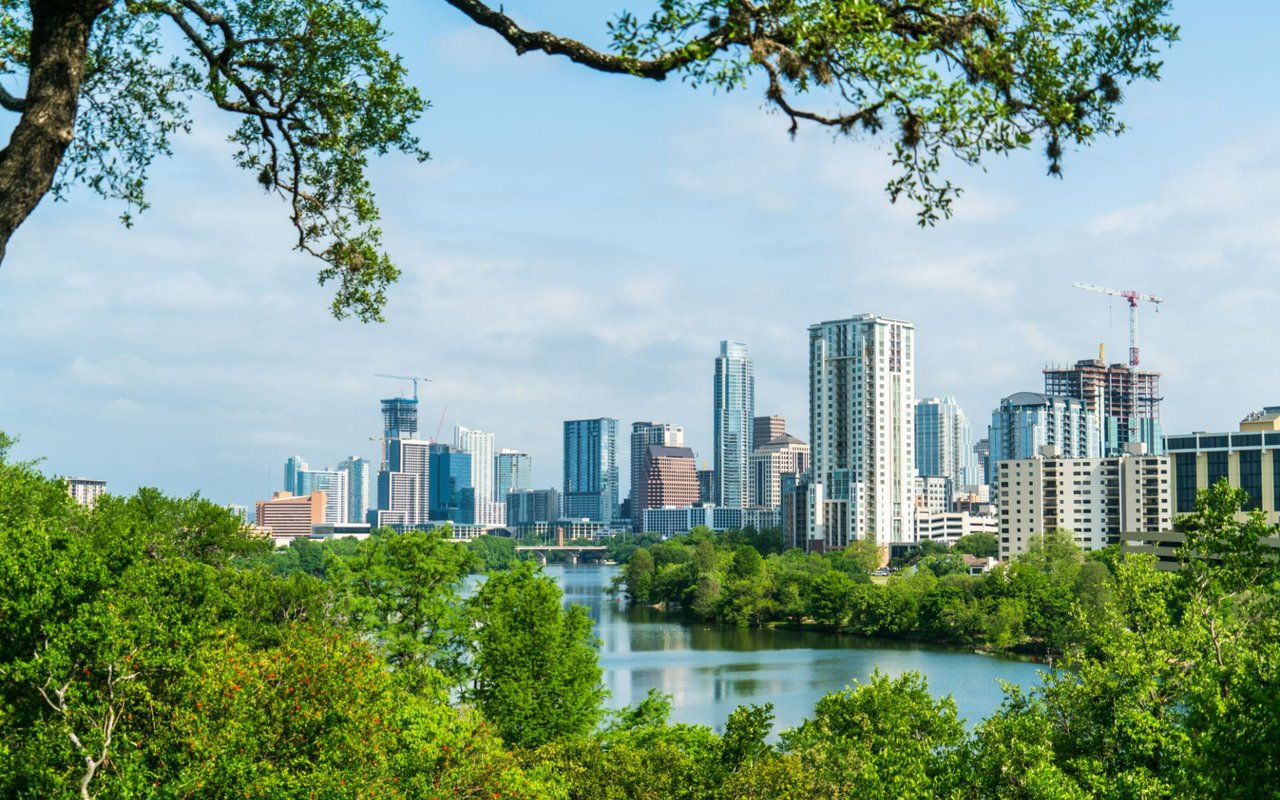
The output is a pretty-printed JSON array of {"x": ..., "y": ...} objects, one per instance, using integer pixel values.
[{"x": 1133, "y": 298}]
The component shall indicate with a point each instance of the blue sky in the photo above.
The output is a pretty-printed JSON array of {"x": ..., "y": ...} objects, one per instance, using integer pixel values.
[{"x": 579, "y": 244}]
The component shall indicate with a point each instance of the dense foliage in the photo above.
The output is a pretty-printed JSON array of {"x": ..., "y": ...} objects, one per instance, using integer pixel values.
[
  {"x": 1037, "y": 602},
  {"x": 147, "y": 649}
]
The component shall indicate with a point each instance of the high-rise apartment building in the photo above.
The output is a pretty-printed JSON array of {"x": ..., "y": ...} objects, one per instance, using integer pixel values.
[
  {"x": 1096, "y": 499},
  {"x": 451, "y": 496},
  {"x": 1124, "y": 401},
  {"x": 358, "y": 478},
  {"x": 862, "y": 419},
  {"x": 512, "y": 472},
  {"x": 733, "y": 424},
  {"x": 400, "y": 418},
  {"x": 404, "y": 480},
  {"x": 644, "y": 434},
  {"x": 933, "y": 494},
  {"x": 591, "y": 469},
  {"x": 782, "y": 455},
  {"x": 480, "y": 446},
  {"x": 766, "y": 429},
  {"x": 86, "y": 491},
  {"x": 982, "y": 459},
  {"x": 1028, "y": 421},
  {"x": 944, "y": 441},
  {"x": 333, "y": 482}
]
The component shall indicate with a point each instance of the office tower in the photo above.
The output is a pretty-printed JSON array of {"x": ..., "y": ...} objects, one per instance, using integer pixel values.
[
  {"x": 527, "y": 506},
  {"x": 1124, "y": 401},
  {"x": 782, "y": 455},
  {"x": 669, "y": 477},
  {"x": 358, "y": 471},
  {"x": 333, "y": 483},
  {"x": 86, "y": 491},
  {"x": 644, "y": 434},
  {"x": 286, "y": 517},
  {"x": 292, "y": 466},
  {"x": 1096, "y": 499},
  {"x": 452, "y": 495},
  {"x": 1248, "y": 459},
  {"x": 480, "y": 446},
  {"x": 512, "y": 472},
  {"x": 944, "y": 441},
  {"x": 591, "y": 469},
  {"x": 400, "y": 418},
  {"x": 734, "y": 405},
  {"x": 706, "y": 479},
  {"x": 862, "y": 418},
  {"x": 1027, "y": 421},
  {"x": 982, "y": 459},
  {"x": 766, "y": 429}
]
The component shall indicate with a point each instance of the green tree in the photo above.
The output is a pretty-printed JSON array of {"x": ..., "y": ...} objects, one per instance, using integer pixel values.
[
  {"x": 639, "y": 576},
  {"x": 314, "y": 91},
  {"x": 865, "y": 553},
  {"x": 402, "y": 590},
  {"x": 534, "y": 673},
  {"x": 887, "y": 738},
  {"x": 494, "y": 552},
  {"x": 980, "y": 544}
]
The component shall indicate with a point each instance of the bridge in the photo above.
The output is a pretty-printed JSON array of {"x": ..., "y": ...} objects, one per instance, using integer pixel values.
[{"x": 574, "y": 552}]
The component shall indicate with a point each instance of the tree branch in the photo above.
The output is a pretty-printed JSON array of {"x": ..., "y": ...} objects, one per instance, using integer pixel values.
[
  {"x": 10, "y": 103},
  {"x": 654, "y": 69}
]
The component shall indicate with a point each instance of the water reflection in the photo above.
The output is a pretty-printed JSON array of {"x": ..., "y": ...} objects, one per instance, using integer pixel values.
[{"x": 710, "y": 670}]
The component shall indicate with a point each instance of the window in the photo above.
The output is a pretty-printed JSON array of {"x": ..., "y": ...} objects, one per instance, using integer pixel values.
[
  {"x": 1217, "y": 466},
  {"x": 1251, "y": 477},
  {"x": 1184, "y": 476}
]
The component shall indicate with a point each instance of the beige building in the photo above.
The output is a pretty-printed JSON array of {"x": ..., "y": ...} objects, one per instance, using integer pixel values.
[
  {"x": 933, "y": 494},
  {"x": 86, "y": 491},
  {"x": 948, "y": 526},
  {"x": 1096, "y": 499},
  {"x": 1248, "y": 459},
  {"x": 285, "y": 517},
  {"x": 781, "y": 455}
]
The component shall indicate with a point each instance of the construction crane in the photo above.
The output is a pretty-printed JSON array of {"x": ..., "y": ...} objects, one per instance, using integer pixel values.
[
  {"x": 1133, "y": 298},
  {"x": 413, "y": 378}
]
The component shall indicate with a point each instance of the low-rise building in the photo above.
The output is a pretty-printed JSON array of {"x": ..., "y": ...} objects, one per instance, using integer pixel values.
[
  {"x": 670, "y": 521},
  {"x": 948, "y": 527},
  {"x": 1248, "y": 459}
]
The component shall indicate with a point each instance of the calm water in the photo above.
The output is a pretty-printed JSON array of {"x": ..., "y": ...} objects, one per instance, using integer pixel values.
[{"x": 710, "y": 670}]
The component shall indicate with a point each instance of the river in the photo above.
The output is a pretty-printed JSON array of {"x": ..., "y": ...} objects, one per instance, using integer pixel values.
[{"x": 709, "y": 669}]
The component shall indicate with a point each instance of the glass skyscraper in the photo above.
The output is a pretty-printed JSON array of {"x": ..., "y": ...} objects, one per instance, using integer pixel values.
[
  {"x": 944, "y": 441},
  {"x": 452, "y": 496},
  {"x": 734, "y": 400},
  {"x": 1027, "y": 421},
  {"x": 513, "y": 472},
  {"x": 591, "y": 469}
]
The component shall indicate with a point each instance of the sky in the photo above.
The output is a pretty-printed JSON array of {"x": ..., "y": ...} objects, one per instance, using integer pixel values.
[{"x": 579, "y": 244}]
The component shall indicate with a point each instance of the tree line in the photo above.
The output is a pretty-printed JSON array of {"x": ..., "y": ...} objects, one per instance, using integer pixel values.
[
  {"x": 1039, "y": 601},
  {"x": 148, "y": 648}
]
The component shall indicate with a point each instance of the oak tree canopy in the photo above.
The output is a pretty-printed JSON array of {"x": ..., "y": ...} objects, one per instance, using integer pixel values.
[{"x": 95, "y": 91}]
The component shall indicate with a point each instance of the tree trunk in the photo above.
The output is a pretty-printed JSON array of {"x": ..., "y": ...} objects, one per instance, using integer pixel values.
[{"x": 59, "y": 45}]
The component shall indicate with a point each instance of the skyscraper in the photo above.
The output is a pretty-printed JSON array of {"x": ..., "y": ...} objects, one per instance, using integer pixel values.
[
  {"x": 862, "y": 420},
  {"x": 591, "y": 469},
  {"x": 644, "y": 434},
  {"x": 358, "y": 471},
  {"x": 669, "y": 478},
  {"x": 766, "y": 429},
  {"x": 512, "y": 472},
  {"x": 734, "y": 406},
  {"x": 405, "y": 472},
  {"x": 1124, "y": 400},
  {"x": 333, "y": 482},
  {"x": 1027, "y": 421},
  {"x": 480, "y": 446},
  {"x": 944, "y": 441},
  {"x": 783, "y": 455},
  {"x": 452, "y": 496},
  {"x": 292, "y": 466}
]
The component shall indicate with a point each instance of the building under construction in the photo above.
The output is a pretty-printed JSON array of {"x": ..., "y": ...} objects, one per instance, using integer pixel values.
[{"x": 1125, "y": 400}]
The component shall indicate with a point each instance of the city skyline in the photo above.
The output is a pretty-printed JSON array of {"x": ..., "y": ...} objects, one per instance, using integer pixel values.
[{"x": 577, "y": 308}]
